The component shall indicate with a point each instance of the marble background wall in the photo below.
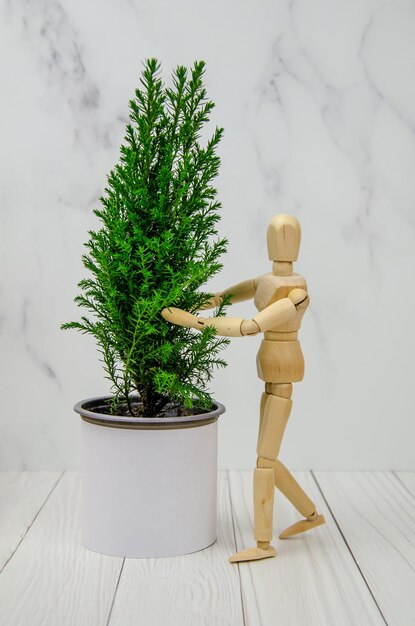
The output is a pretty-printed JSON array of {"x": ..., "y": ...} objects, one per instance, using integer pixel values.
[{"x": 318, "y": 104}]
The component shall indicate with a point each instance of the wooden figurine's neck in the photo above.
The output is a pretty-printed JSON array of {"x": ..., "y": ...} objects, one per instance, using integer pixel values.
[{"x": 282, "y": 268}]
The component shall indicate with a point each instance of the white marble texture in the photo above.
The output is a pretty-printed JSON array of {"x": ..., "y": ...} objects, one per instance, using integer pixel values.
[{"x": 318, "y": 104}]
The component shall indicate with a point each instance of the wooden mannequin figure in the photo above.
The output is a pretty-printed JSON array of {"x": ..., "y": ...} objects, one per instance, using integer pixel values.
[{"x": 281, "y": 299}]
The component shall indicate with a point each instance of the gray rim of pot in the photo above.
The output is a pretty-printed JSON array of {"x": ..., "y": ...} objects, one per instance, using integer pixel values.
[{"x": 83, "y": 407}]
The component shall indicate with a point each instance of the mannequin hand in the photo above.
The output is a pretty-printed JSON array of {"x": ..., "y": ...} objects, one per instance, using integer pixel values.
[
  {"x": 213, "y": 302},
  {"x": 182, "y": 318}
]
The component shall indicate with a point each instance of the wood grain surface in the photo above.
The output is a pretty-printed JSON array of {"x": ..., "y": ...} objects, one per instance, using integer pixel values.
[
  {"x": 376, "y": 514},
  {"x": 358, "y": 569}
]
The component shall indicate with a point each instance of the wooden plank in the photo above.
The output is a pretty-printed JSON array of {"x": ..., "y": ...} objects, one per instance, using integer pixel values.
[
  {"x": 200, "y": 588},
  {"x": 52, "y": 579},
  {"x": 22, "y": 495},
  {"x": 313, "y": 580},
  {"x": 408, "y": 479},
  {"x": 376, "y": 514}
]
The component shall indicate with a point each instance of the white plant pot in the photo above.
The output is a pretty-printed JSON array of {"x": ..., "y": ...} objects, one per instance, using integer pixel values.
[{"x": 149, "y": 485}]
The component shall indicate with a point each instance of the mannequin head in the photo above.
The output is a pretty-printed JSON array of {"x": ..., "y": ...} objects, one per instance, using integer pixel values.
[{"x": 283, "y": 238}]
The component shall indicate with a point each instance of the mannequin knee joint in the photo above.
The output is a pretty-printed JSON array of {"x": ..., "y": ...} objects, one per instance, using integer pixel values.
[
  {"x": 284, "y": 390},
  {"x": 263, "y": 463}
]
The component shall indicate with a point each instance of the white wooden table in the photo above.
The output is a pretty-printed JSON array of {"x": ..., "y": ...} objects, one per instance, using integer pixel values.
[{"x": 357, "y": 569}]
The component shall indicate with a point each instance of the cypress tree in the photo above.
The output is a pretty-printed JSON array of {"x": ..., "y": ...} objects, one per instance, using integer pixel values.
[{"x": 157, "y": 245}]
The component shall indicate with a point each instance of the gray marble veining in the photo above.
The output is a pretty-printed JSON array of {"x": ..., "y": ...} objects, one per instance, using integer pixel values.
[{"x": 318, "y": 104}]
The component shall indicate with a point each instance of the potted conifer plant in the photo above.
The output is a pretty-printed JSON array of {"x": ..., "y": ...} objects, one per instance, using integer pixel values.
[{"x": 150, "y": 448}]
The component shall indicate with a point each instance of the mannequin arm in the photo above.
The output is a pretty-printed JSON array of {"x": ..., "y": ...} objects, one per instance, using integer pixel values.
[
  {"x": 225, "y": 326},
  {"x": 277, "y": 313},
  {"x": 280, "y": 311},
  {"x": 240, "y": 292},
  {"x": 273, "y": 315}
]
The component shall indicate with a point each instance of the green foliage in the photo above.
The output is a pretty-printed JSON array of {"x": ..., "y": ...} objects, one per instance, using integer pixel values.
[{"x": 157, "y": 245}]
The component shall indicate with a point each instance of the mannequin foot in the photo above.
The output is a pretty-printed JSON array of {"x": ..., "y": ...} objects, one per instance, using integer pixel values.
[
  {"x": 302, "y": 526},
  {"x": 253, "y": 554}
]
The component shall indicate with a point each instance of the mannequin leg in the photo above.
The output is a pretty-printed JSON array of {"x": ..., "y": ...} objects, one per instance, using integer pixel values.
[
  {"x": 286, "y": 483},
  {"x": 275, "y": 411},
  {"x": 289, "y": 487}
]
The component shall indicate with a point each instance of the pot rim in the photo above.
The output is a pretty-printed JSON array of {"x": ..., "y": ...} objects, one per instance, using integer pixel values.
[{"x": 126, "y": 421}]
